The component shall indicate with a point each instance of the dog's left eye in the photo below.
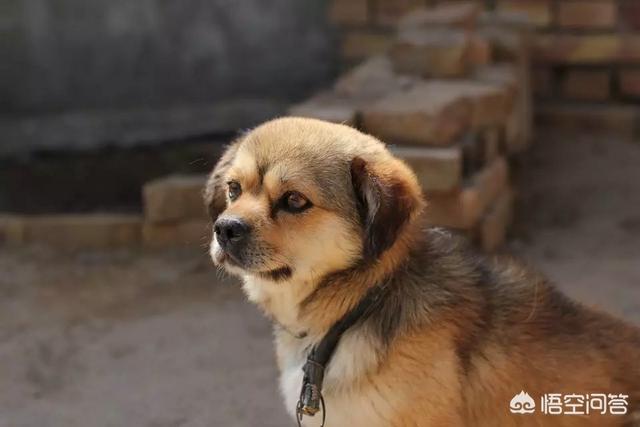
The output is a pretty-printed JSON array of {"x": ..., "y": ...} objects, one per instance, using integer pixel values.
[{"x": 295, "y": 202}]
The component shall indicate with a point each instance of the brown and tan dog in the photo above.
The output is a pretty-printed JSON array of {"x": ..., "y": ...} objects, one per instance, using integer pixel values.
[{"x": 313, "y": 216}]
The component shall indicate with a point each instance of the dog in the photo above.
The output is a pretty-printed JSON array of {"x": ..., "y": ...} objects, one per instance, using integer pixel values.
[{"x": 380, "y": 320}]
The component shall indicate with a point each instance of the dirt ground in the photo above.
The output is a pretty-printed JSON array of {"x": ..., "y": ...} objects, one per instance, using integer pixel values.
[
  {"x": 161, "y": 340},
  {"x": 578, "y": 218}
]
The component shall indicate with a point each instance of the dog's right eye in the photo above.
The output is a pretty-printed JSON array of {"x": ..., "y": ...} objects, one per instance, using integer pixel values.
[
  {"x": 234, "y": 190},
  {"x": 294, "y": 202}
]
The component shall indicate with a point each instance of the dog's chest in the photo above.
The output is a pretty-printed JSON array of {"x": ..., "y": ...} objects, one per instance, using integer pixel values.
[
  {"x": 345, "y": 405},
  {"x": 343, "y": 409}
]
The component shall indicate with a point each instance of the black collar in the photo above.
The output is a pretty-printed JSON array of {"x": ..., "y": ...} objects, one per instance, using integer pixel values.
[{"x": 311, "y": 400}]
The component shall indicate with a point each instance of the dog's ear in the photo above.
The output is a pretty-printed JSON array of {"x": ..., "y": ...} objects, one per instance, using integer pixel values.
[
  {"x": 386, "y": 202},
  {"x": 215, "y": 191}
]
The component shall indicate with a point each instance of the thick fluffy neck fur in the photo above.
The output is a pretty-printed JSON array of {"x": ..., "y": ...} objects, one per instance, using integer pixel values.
[{"x": 311, "y": 308}]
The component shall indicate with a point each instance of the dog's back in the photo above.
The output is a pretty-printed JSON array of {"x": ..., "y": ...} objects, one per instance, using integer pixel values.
[{"x": 514, "y": 332}]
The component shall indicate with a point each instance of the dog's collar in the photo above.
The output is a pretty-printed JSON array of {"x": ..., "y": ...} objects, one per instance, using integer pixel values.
[{"x": 311, "y": 400}]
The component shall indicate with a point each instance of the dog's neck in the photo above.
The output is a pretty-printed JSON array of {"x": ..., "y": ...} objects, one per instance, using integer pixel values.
[{"x": 280, "y": 301}]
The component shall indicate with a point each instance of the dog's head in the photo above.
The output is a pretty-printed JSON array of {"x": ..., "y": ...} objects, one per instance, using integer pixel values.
[{"x": 299, "y": 198}]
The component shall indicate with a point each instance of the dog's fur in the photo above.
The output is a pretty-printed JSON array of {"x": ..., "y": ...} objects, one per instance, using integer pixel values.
[{"x": 456, "y": 335}]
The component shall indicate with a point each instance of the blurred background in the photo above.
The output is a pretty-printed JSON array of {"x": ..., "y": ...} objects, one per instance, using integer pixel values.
[{"x": 520, "y": 118}]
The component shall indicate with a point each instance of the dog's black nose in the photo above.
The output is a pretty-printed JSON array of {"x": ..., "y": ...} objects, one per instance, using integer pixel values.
[{"x": 231, "y": 232}]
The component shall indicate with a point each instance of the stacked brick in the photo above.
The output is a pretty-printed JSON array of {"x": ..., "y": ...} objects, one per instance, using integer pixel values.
[
  {"x": 587, "y": 62},
  {"x": 588, "y": 50},
  {"x": 589, "y": 41},
  {"x": 586, "y": 53},
  {"x": 174, "y": 216},
  {"x": 72, "y": 231},
  {"x": 449, "y": 94},
  {"x": 174, "y": 213}
]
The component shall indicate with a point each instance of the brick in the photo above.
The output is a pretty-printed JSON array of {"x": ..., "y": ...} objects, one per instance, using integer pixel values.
[
  {"x": 580, "y": 49},
  {"x": 358, "y": 45},
  {"x": 509, "y": 43},
  {"x": 538, "y": 11},
  {"x": 357, "y": 88},
  {"x": 591, "y": 14},
  {"x": 629, "y": 15},
  {"x": 491, "y": 182},
  {"x": 195, "y": 234},
  {"x": 495, "y": 223},
  {"x": 431, "y": 53},
  {"x": 97, "y": 231},
  {"x": 372, "y": 79},
  {"x": 519, "y": 125},
  {"x": 460, "y": 15},
  {"x": 522, "y": 115},
  {"x": 629, "y": 82},
  {"x": 458, "y": 210},
  {"x": 389, "y": 12},
  {"x": 475, "y": 155},
  {"x": 510, "y": 36},
  {"x": 349, "y": 12},
  {"x": 506, "y": 45},
  {"x": 630, "y": 50},
  {"x": 503, "y": 75},
  {"x": 512, "y": 20},
  {"x": 491, "y": 140},
  {"x": 618, "y": 119},
  {"x": 542, "y": 79},
  {"x": 479, "y": 52},
  {"x": 433, "y": 114},
  {"x": 491, "y": 102},
  {"x": 174, "y": 198},
  {"x": 515, "y": 79},
  {"x": 515, "y": 137},
  {"x": 327, "y": 106},
  {"x": 464, "y": 209},
  {"x": 437, "y": 169},
  {"x": 362, "y": 85},
  {"x": 427, "y": 114},
  {"x": 11, "y": 229},
  {"x": 587, "y": 85}
]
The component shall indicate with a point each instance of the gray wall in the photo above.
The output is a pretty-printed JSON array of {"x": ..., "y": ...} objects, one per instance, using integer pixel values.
[{"x": 74, "y": 55}]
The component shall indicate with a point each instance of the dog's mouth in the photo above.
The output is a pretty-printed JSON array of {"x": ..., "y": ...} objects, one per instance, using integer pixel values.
[
  {"x": 224, "y": 257},
  {"x": 276, "y": 274}
]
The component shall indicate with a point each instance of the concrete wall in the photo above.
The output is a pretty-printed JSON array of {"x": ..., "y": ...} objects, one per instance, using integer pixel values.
[{"x": 74, "y": 55}]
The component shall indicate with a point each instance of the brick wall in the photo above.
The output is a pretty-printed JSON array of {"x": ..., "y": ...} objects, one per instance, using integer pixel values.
[
  {"x": 588, "y": 51},
  {"x": 584, "y": 51}
]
